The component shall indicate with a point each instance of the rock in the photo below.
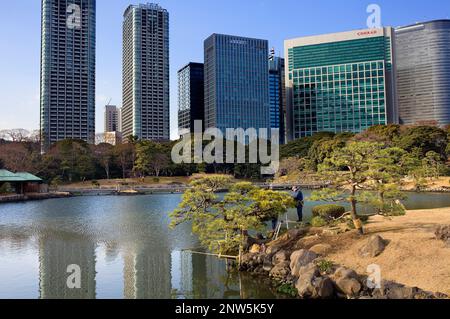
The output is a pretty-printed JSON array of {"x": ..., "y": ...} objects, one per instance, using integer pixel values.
[
  {"x": 301, "y": 258},
  {"x": 307, "y": 275},
  {"x": 311, "y": 285},
  {"x": 280, "y": 257},
  {"x": 280, "y": 271},
  {"x": 267, "y": 264},
  {"x": 324, "y": 287},
  {"x": 346, "y": 273},
  {"x": 348, "y": 286},
  {"x": 321, "y": 249},
  {"x": 374, "y": 247},
  {"x": 392, "y": 290},
  {"x": 255, "y": 249},
  {"x": 443, "y": 233}
]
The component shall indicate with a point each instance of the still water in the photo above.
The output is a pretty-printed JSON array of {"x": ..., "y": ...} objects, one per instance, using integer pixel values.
[{"x": 124, "y": 248}]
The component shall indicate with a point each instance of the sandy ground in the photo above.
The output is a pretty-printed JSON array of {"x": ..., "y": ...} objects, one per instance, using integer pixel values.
[{"x": 413, "y": 257}]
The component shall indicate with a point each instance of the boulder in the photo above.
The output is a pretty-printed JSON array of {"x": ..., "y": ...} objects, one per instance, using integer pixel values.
[
  {"x": 392, "y": 290},
  {"x": 346, "y": 273},
  {"x": 324, "y": 287},
  {"x": 280, "y": 257},
  {"x": 321, "y": 249},
  {"x": 374, "y": 247},
  {"x": 443, "y": 233},
  {"x": 307, "y": 275},
  {"x": 311, "y": 285},
  {"x": 280, "y": 271},
  {"x": 348, "y": 286},
  {"x": 301, "y": 258},
  {"x": 347, "y": 281}
]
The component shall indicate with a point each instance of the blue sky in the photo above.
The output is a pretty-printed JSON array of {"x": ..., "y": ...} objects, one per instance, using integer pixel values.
[{"x": 190, "y": 22}]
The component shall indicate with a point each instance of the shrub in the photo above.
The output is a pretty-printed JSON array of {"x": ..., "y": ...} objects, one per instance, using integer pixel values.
[
  {"x": 318, "y": 222},
  {"x": 5, "y": 188},
  {"x": 325, "y": 266},
  {"x": 328, "y": 212},
  {"x": 288, "y": 289},
  {"x": 95, "y": 184},
  {"x": 156, "y": 180}
]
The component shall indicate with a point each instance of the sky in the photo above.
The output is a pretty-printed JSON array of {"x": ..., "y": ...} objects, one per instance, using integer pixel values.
[{"x": 190, "y": 23}]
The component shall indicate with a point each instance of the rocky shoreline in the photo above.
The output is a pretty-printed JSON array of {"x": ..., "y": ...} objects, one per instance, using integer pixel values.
[{"x": 309, "y": 276}]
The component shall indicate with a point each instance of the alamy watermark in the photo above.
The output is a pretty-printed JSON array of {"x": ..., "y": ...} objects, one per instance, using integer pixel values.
[
  {"x": 74, "y": 279},
  {"x": 374, "y": 19},
  {"x": 235, "y": 141},
  {"x": 74, "y": 16},
  {"x": 374, "y": 277}
]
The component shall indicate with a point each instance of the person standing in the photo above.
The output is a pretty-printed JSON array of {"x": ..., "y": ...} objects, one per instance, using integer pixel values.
[{"x": 300, "y": 202}]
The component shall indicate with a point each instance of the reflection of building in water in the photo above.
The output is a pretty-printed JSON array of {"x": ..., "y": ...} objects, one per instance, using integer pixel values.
[
  {"x": 204, "y": 277},
  {"x": 147, "y": 273},
  {"x": 55, "y": 255}
]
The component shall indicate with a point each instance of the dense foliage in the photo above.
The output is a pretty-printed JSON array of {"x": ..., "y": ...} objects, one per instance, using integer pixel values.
[{"x": 223, "y": 223}]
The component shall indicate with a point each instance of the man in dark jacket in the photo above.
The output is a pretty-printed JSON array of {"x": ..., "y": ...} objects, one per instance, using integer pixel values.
[{"x": 299, "y": 199}]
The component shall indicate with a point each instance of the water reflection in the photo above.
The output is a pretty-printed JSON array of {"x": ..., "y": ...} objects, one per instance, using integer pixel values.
[
  {"x": 124, "y": 248},
  {"x": 56, "y": 253}
]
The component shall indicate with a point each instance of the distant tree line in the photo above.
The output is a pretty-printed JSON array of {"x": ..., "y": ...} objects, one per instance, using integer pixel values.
[{"x": 74, "y": 160}]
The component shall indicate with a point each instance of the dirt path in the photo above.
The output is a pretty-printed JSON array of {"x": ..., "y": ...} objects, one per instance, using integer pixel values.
[{"x": 414, "y": 257}]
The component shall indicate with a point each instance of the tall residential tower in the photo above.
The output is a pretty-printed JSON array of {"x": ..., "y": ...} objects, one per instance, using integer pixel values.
[
  {"x": 236, "y": 83},
  {"x": 342, "y": 82},
  {"x": 145, "y": 110},
  {"x": 423, "y": 69},
  {"x": 67, "y": 71}
]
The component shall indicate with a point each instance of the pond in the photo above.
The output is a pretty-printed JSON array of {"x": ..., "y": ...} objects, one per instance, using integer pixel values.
[{"x": 124, "y": 248}]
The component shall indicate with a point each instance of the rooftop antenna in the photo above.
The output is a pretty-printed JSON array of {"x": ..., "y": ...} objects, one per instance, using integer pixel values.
[{"x": 109, "y": 101}]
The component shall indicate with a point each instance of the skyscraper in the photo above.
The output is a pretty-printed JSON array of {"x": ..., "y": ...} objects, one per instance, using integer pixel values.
[
  {"x": 67, "y": 71},
  {"x": 423, "y": 72},
  {"x": 342, "y": 82},
  {"x": 191, "y": 97},
  {"x": 236, "y": 83},
  {"x": 145, "y": 110},
  {"x": 111, "y": 118},
  {"x": 277, "y": 93}
]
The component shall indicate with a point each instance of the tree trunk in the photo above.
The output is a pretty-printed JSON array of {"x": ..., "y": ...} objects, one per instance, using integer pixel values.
[{"x": 356, "y": 221}]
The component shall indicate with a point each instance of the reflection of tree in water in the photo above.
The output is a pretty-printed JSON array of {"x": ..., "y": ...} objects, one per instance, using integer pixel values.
[{"x": 207, "y": 277}]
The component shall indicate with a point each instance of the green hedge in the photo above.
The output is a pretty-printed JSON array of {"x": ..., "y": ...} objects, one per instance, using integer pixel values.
[
  {"x": 328, "y": 211},
  {"x": 318, "y": 222}
]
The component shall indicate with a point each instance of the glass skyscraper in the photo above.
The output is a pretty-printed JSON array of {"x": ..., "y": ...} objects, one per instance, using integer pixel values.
[
  {"x": 145, "y": 110},
  {"x": 423, "y": 69},
  {"x": 343, "y": 82},
  {"x": 277, "y": 95},
  {"x": 67, "y": 71},
  {"x": 236, "y": 83},
  {"x": 191, "y": 97}
]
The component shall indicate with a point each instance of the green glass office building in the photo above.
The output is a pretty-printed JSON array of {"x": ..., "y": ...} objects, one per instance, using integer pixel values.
[{"x": 343, "y": 82}]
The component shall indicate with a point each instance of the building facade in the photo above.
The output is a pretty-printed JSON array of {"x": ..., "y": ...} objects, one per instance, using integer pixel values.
[
  {"x": 68, "y": 38},
  {"x": 423, "y": 73},
  {"x": 191, "y": 97},
  {"x": 236, "y": 83},
  {"x": 145, "y": 109},
  {"x": 277, "y": 93},
  {"x": 342, "y": 82},
  {"x": 111, "y": 118}
]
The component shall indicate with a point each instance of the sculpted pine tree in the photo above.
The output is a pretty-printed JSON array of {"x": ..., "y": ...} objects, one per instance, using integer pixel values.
[
  {"x": 348, "y": 169},
  {"x": 222, "y": 224},
  {"x": 387, "y": 168}
]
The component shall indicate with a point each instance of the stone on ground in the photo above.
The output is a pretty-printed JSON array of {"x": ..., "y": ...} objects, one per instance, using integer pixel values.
[{"x": 374, "y": 247}]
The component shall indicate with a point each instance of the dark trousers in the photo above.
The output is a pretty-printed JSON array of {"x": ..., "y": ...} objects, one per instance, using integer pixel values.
[
  {"x": 300, "y": 213},
  {"x": 274, "y": 224}
]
